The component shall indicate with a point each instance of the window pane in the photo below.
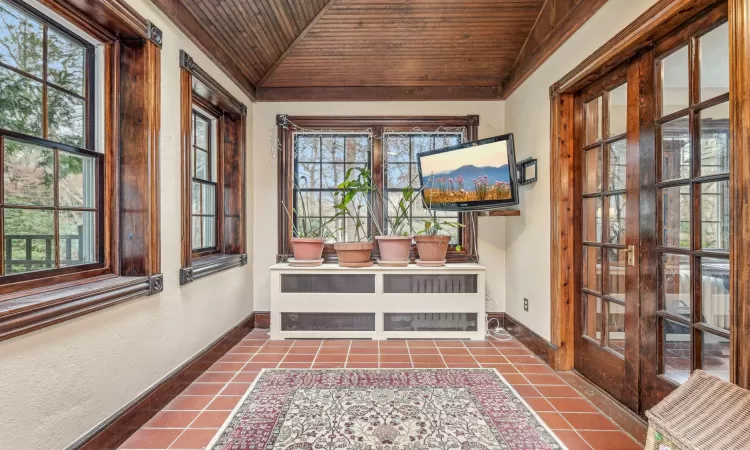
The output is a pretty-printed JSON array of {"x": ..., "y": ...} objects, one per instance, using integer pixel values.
[
  {"x": 307, "y": 148},
  {"x": 197, "y": 232},
  {"x": 592, "y": 317},
  {"x": 30, "y": 235},
  {"x": 675, "y": 284},
  {"x": 714, "y": 128},
  {"x": 617, "y": 219},
  {"x": 77, "y": 237},
  {"x": 201, "y": 164},
  {"x": 618, "y": 260},
  {"x": 715, "y": 215},
  {"x": 209, "y": 231},
  {"x": 77, "y": 180},
  {"x": 66, "y": 62},
  {"x": 715, "y": 355},
  {"x": 616, "y": 327},
  {"x": 357, "y": 148},
  {"x": 209, "y": 199},
  {"x": 333, "y": 149},
  {"x": 592, "y": 268},
  {"x": 592, "y": 171},
  {"x": 397, "y": 176},
  {"x": 676, "y": 351},
  {"x": 397, "y": 148},
  {"x": 20, "y": 104},
  {"x": 308, "y": 203},
  {"x": 617, "y": 165},
  {"x": 675, "y": 85},
  {"x": 446, "y": 140},
  {"x": 423, "y": 143},
  {"x": 618, "y": 110},
  {"x": 202, "y": 128},
  {"x": 66, "y": 118},
  {"x": 592, "y": 219},
  {"x": 21, "y": 39},
  {"x": 675, "y": 149},
  {"x": 196, "y": 200},
  {"x": 333, "y": 175},
  {"x": 676, "y": 216},
  {"x": 28, "y": 174},
  {"x": 593, "y": 113},
  {"x": 308, "y": 175},
  {"x": 714, "y": 77},
  {"x": 715, "y": 292},
  {"x": 328, "y": 205}
]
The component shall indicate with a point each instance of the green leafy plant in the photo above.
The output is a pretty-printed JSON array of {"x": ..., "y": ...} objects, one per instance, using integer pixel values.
[
  {"x": 353, "y": 200},
  {"x": 309, "y": 228}
]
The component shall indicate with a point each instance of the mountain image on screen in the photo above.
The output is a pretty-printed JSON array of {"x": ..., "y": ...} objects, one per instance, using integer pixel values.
[{"x": 471, "y": 172}]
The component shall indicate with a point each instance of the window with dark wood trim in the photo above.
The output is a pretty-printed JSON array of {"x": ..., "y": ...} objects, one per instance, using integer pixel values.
[
  {"x": 69, "y": 245},
  {"x": 213, "y": 175},
  {"x": 312, "y": 164}
]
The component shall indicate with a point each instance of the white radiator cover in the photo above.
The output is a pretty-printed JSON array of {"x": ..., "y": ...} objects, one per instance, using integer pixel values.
[{"x": 428, "y": 302}]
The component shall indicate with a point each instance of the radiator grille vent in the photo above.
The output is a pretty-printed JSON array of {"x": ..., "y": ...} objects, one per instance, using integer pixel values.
[
  {"x": 430, "y": 322},
  {"x": 328, "y": 283},
  {"x": 328, "y": 321},
  {"x": 430, "y": 284}
]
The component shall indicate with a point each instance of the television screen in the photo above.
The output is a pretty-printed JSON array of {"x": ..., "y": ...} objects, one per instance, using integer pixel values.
[{"x": 477, "y": 175}]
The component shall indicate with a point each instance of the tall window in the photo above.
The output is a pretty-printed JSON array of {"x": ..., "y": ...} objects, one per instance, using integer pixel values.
[
  {"x": 321, "y": 163},
  {"x": 400, "y": 161},
  {"x": 693, "y": 191},
  {"x": 52, "y": 177},
  {"x": 204, "y": 183}
]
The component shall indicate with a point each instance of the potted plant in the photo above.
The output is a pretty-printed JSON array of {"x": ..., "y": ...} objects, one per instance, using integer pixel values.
[
  {"x": 352, "y": 202},
  {"x": 432, "y": 244},
  {"x": 394, "y": 243},
  {"x": 309, "y": 237}
]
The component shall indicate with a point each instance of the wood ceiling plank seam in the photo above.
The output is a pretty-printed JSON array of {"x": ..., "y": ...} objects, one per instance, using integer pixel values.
[
  {"x": 244, "y": 35},
  {"x": 283, "y": 19},
  {"x": 261, "y": 47},
  {"x": 213, "y": 20},
  {"x": 300, "y": 19},
  {"x": 272, "y": 26},
  {"x": 274, "y": 48},
  {"x": 208, "y": 23},
  {"x": 298, "y": 39}
]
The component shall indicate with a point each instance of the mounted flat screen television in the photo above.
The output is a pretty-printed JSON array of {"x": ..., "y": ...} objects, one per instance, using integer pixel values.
[{"x": 478, "y": 175}]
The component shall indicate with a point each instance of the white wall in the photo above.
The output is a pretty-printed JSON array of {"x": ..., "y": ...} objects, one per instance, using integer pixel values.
[
  {"x": 58, "y": 383},
  {"x": 491, "y": 230},
  {"x": 527, "y": 254}
]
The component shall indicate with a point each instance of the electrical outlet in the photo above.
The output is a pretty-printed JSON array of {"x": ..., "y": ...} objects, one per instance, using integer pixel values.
[{"x": 526, "y": 304}]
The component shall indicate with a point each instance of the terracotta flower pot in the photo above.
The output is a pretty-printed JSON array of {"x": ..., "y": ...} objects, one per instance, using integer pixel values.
[
  {"x": 394, "y": 250},
  {"x": 432, "y": 249},
  {"x": 308, "y": 249},
  {"x": 354, "y": 254}
]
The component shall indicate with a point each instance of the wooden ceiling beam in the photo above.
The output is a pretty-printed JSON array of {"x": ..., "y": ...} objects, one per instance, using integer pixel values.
[
  {"x": 189, "y": 25},
  {"x": 557, "y": 21},
  {"x": 376, "y": 93},
  {"x": 296, "y": 41}
]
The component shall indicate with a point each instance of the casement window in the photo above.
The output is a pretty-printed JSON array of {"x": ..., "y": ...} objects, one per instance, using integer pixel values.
[
  {"x": 317, "y": 152},
  {"x": 213, "y": 175},
  {"x": 78, "y": 208}
]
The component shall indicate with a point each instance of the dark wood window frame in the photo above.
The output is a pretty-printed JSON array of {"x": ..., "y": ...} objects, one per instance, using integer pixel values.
[
  {"x": 635, "y": 40},
  {"x": 129, "y": 202},
  {"x": 378, "y": 125},
  {"x": 199, "y": 89}
]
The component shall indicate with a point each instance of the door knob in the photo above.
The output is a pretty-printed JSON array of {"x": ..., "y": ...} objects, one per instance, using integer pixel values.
[{"x": 631, "y": 254}]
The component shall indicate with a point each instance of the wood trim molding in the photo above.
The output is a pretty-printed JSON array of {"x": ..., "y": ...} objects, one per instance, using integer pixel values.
[
  {"x": 208, "y": 265},
  {"x": 541, "y": 347},
  {"x": 296, "y": 41},
  {"x": 205, "y": 86},
  {"x": 658, "y": 21},
  {"x": 199, "y": 36},
  {"x": 113, "y": 431},
  {"x": 376, "y": 93},
  {"x": 114, "y": 19},
  {"x": 739, "y": 186},
  {"x": 555, "y": 29}
]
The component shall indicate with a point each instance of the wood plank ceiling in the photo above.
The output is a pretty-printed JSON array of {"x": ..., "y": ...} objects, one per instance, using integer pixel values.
[{"x": 378, "y": 50}]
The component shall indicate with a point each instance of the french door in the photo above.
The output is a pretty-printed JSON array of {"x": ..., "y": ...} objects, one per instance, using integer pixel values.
[{"x": 653, "y": 144}]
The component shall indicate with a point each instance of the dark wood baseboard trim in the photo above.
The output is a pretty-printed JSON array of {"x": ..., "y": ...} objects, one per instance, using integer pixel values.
[
  {"x": 630, "y": 422},
  {"x": 112, "y": 432},
  {"x": 263, "y": 319},
  {"x": 537, "y": 344}
]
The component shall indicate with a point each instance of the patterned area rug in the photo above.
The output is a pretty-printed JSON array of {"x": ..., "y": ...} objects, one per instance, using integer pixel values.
[{"x": 383, "y": 409}]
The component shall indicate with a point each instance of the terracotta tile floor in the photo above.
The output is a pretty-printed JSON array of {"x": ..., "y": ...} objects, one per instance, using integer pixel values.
[{"x": 191, "y": 420}]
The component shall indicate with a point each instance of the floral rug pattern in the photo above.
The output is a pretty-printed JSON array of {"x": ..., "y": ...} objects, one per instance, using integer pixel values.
[{"x": 399, "y": 409}]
